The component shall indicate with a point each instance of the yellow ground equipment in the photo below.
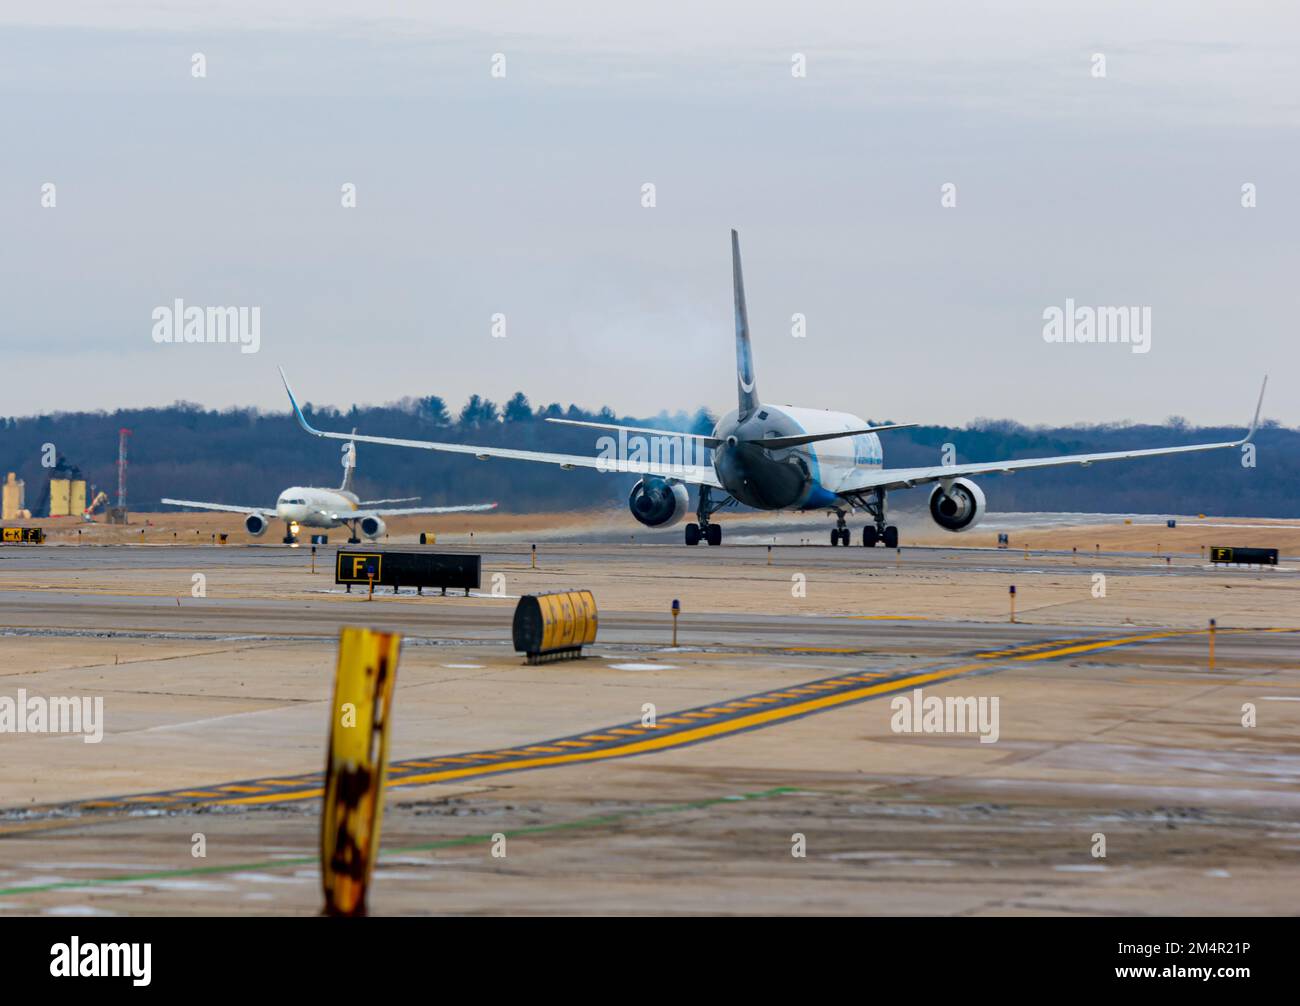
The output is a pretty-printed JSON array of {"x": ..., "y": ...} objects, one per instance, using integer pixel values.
[
  {"x": 355, "y": 765},
  {"x": 555, "y": 626}
]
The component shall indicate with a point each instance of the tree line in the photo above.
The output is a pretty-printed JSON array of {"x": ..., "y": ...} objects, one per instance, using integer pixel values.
[{"x": 246, "y": 456}]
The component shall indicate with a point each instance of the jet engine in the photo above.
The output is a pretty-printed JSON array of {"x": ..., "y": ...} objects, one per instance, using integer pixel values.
[
  {"x": 657, "y": 502},
  {"x": 255, "y": 524},
  {"x": 960, "y": 507},
  {"x": 372, "y": 527}
]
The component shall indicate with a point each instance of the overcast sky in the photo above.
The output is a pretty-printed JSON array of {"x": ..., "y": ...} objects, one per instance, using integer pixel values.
[{"x": 522, "y": 195}]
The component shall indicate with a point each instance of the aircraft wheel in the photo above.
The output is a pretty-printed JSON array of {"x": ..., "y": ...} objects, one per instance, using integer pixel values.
[
  {"x": 692, "y": 534},
  {"x": 835, "y": 536},
  {"x": 891, "y": 537},
  {"x": 869, "y": 536},
  {"x": 713, "y": 534}
]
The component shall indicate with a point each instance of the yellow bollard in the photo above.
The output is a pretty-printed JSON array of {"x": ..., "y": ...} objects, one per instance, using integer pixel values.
[
  {"x": 677, "y": 610},
  {"x": 534, "y": 557},
  {"x": 1013, "y": 602},
  {"x": 769, "y": 555},
  {"x": 370, "y": 577},
  {"x": 355, "y": 764},
  {"x": 1213, "y": 626}
]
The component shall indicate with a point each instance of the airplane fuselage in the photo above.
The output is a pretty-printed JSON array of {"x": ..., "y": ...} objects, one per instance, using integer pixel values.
[
  {"x": 796, "y": 478},
  {"x": 310, "y": 507}
]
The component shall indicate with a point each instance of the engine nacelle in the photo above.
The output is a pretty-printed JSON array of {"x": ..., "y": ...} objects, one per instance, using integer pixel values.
[
  {"x": 372, "y": 527},
  {"x": 255, "y": 524},
  {"x": 960, "y": 508},
  {"x": 657, "y": 502}
]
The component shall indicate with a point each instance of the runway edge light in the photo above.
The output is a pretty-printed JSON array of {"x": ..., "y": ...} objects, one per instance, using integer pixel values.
[{"x": 355, "y": 765}]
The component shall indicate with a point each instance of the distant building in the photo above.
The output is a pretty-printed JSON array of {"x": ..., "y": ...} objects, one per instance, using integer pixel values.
[{"x": 14, "y": 498}]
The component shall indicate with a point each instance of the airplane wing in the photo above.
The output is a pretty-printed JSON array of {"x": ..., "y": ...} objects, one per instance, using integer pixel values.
[
  {"x": 223, "y": 507},
  {"x": 694, "y": 474},
  {"x": 404, "y": 499},
  {"x": 905, "y": 478},
  {"x": 468, "y": 508}
]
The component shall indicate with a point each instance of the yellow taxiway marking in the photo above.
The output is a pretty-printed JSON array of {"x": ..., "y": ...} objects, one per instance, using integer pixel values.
[
  {"x": 702, "y": 732},
  {"x": 560, "y": 752}
]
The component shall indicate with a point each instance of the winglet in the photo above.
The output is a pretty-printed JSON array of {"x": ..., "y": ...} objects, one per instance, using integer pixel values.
[
  {"x": 302, "y": 420},
  {"x": 1254, "y": 423}
]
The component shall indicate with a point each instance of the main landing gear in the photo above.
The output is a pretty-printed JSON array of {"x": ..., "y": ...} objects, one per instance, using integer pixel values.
[
  {"x": 706, "y": 530},
  {"x": 872, "y": 534},
  {"x": 887, "y": 536}
]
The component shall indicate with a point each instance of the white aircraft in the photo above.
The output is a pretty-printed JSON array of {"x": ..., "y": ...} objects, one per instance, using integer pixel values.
[
  {"x": 305, "y": 506},
  {"x": 777, "y": 458}
]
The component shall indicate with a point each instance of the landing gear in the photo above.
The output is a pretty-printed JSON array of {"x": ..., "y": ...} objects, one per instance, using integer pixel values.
[
  {"x": 887, "y": 536},
  {"x": 840, "y": 532},
  {"x": 710, "y": 533},
  {"x": 879, "y": 532},
  {"x": 706, "y": 530}
]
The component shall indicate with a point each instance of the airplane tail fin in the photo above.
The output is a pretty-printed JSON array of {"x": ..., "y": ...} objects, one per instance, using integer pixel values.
[
  {"x": 349, "y": 463},
  {"x": 748, "y": 394}
]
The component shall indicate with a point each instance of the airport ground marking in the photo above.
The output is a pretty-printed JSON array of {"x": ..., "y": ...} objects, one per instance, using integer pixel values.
[
  {"x": 680, "y": 729},
  {"x": 594, "y": 821}
]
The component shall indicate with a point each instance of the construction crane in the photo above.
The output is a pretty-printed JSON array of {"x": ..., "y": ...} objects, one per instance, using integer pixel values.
[{"x": 101, "y": 499}]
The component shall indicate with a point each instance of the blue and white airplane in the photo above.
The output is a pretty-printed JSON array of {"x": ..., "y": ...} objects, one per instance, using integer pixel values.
[{"x": 776, "y": 458}]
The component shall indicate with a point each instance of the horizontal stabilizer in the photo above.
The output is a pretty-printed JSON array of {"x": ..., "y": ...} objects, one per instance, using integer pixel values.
[
  {"x": 709, "y": 442},
  {"x": 781, "y": 443}
]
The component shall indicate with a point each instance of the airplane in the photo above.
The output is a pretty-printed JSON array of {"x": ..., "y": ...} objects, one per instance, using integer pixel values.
[
  {"x": 781, "y": 458},
  {"x": 305, "y": 506}
]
